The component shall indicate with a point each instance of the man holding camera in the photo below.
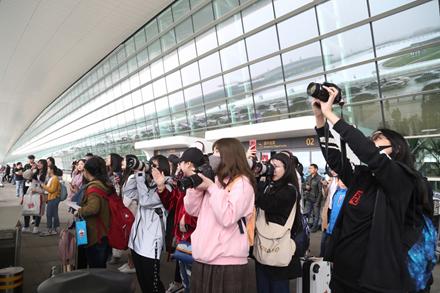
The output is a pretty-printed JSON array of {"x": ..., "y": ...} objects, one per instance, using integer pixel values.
[{"x": 313, "y": 197}]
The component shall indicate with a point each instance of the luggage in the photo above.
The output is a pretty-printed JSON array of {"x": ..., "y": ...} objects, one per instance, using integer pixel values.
[{"x": 316, "y": 275}]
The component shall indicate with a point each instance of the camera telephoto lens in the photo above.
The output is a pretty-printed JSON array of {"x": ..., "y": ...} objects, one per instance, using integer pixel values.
[{"x": 316, "y": 90}]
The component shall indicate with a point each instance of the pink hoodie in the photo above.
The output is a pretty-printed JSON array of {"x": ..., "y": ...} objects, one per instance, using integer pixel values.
[{"x": 217, "y": 239}]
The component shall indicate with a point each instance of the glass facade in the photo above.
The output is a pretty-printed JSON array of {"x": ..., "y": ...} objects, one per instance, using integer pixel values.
[{"x": 202, "y": 65}]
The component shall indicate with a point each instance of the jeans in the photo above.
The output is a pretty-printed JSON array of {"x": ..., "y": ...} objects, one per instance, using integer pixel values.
[
  {"x": 53, "y": 221},
  {"x": 311, "y": 209},
  {"x": 98, "y": 253},
  {"x": 185, "y": 273},
  {"x": 266, "y": 285},
  {"x": 19, "y": 185},
  {"x": 27, "y": 220}
]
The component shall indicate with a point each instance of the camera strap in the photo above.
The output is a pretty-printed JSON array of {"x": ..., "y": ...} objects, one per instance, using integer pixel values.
[{"x": 343, "y": 144}]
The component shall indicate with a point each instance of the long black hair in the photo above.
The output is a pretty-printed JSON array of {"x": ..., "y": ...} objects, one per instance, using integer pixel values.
[
  {"x": 97, "y": 168},
  {"x": 127, "y": 172},
  {"x": 42, "y": 173},
  {"x": 115, "y": 163},
  {"x": 164, "y": 165}
]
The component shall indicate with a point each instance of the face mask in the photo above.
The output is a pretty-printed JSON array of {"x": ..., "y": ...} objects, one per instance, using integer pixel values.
[{"x": 214, "y": 162}]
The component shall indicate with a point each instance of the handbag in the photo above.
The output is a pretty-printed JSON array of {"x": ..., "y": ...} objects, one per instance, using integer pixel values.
[
  {"x": 274, "y": 245},
  {"x": 81, "y": 232},
  {"x": 183, "y": 252},
  {"x": 31, "y": 204}
]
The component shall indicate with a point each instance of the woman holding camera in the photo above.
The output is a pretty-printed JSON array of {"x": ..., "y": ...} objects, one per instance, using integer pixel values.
[
  {"x": 277, "y": 197},
  {"x": 148, "y": 230},
  {"x": 220, "y": 261},
  {"x": 376, "y": 224}
]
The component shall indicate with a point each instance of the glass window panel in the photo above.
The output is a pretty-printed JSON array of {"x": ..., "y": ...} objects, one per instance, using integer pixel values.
[
  {"x": 299, "y": 101},
  {"x": 165, "y": 125},
  {"x": 367, "y": 117},
  {"x": 262, "y": 43},
  {"x": 379, "y": 6},
  {"x": 150, "y": 111},
  {"x": 159, "y": 87},
  {"x": 154, "y": 50},
  {"x": 233, "y": 55},
  {"x": 333, "y": 14},
  {"x": 134, "y": 81},
  {"x": 348, "y": 47},
  {"x": 395, "y": 33},
  {"x": 411, "y": 72},
  {"x": 309, "y": 29},
  {"x": 217, "y": 115},
  {"x": 132, "y": 64},
  {"x": 174, "y": 81},
  {"x": 180, "y": 8},
  {"x": 142, "y": 57},
  {"x": 184, "y": 30},
  {"x": 129, "y": 116},
  {"x": 237, "y": 82},
  {"x": 266, "y": 72},
  {"x": 257, "y": 15},
  {"x": 151, "y": 30},
  {"x": 198, "y": 118},
  {"x": 140, "y": 39},
  {"x": 162, "y": 107},
  {"x": 176, "y": 101},
  {"x": 165, "y": 19},
  {"x": 270, "y": 104},
  {"x": 157, "y": 69},
  {"x": 194, "y": 3},
  {"x": 209, "y": 65},
  {"x": 145, "y": 75},
  {"x": 203, "y": 17},
  {"x": 229, "y": 29},
  {"x": 415, "y": 115},
  {"x": 129, "y": 46},
  {"x": 150, "y": 129},
  {"x": 123, "y": 70},
  {"x": 241, "y": 109},
  {"x": 190, "y": 74},
  {"x": 193, "y": 96},
  {"x": 180, "y": 122},
  {"x": 187, "y": 52},
  {"x": 171, "y": 61},
  {"x": 213, "y": 89},
  {"x": 285, "y": 6},
  {"x": 168, "y": 40},
  {"x": 221, "y": 7},
  {"x": 206, "y": 42},
  {"x": 136, "y": 97},
  {"x": 121, "y": 58},
  {"x": 147, "y": 93},
  {"x": 358, "y": 83},
  {"x": 302, "y": 61}
]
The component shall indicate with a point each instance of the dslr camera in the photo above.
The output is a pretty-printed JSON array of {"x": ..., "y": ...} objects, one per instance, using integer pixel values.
[
  {"x": 316, "y": 90},
  {"x": 195, "y": 180},
  {"x": 265, "y": 169}
]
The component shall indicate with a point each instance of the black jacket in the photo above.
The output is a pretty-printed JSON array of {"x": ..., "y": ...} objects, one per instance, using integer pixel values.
[{"x": 389, "y": 189}]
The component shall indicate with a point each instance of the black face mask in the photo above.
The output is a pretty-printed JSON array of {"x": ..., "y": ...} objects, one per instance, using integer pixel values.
[{"x": 382, "y": 147}]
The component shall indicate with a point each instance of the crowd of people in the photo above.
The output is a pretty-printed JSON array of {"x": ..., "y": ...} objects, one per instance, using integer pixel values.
[{"x": 213, "y": 211}]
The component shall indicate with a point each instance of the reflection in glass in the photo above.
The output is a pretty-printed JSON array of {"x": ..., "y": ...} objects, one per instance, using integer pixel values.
[
  {"x": 241, "y": 109},
  {"x": 229, "y": 29},
  {"x": 150, "y": 111},
  {"x": 334, "y": 14},
  {"x": 132, "y": 65},
  {"x": 237, "y": 82},
  {"x": 165, "y": 125},
  {"x": 216, "y": 115},
  {"x": 176, "y": 102},
  {"x": 190, "y": 74},
  {"x": 213, "y": 89},
  {"x": 209, "y": 65},
  {"x": 206, "y": 42},
  {"x": 198, "y": 118},
  {"x": 203, "y": 17},
  {"x": 410, "y": 72},
  {"x": 358, "y": 83},
  {"x": 173, "y": 81},
  {"x": 306, "y": 21},
  {"x": 233, "y": 55},
  {"x": 193, "y": 96},
  {"x": 180, "y": 8},
  {"x": 285, "y": 6},
  {"x": 142, "y": 57},
  {"x": 184, "y": 30},
  {"x": 366, "y": 117},
  {"x": 154, "y": 50},
  {"x": 258, "y": 14},
  {"x": 187, "y": 52},
  {"x": 302, "y": 61},
  {"x": 395, "y": 33},
  {"x": 221, "y": 7},
  {"x": 348, "y": 47},
  {"x": 266, "y": 72},
  {"x": 151, "y": 30},
  {"x": 262, "y": 43},
  {"x": 269, "y": 103},
  {"x": 180, "y": 122},
  {"x": 150, "y": 129},
  {"x": 139, "y": 114},
  {"x": 168, "y": 40},
  {"x": 165, "y": 19},
  {"x": 297, "y": 96}
]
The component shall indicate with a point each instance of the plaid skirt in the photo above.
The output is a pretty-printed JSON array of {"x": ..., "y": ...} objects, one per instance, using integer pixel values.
[{"x": 221, "y": 279}]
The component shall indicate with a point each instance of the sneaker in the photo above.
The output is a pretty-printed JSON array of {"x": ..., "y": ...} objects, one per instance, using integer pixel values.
[
  {"x": 45, "y": 233},
  {"x": 35, "y": 230},
  {"x": 123, "y": 267},
  {"x": 53, "y": 232},
  {"x": 25, "y": 229},
  {"x": 174, "y": 287},
  {"x": 128, "y": 270}
]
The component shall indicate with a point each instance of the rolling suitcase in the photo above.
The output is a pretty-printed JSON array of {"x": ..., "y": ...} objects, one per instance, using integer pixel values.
[{"x": 316, "y": 274}]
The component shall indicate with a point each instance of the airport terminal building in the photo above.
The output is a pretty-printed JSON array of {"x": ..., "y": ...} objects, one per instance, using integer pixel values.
[{"x": 203, "y": 69}]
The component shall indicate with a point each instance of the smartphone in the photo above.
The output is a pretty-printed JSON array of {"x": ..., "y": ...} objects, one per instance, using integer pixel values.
[{"x": 253, "y": 144}]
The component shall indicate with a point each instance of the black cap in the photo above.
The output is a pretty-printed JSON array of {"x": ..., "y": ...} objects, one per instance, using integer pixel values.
[{"x": 193, "y": 155}]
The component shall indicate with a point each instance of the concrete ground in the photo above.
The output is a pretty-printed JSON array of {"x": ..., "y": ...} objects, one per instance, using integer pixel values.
[{"x": 40, "y": 254}]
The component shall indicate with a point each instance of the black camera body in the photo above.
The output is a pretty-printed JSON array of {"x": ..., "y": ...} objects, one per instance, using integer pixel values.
[
  {"x": 265, "y": 169},
  {"x": 316, "y": 90},
  {"x": 195, "y": 180}
]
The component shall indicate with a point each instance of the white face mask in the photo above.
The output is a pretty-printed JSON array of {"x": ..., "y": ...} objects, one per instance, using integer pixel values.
[{"x": 214, "y": 162}]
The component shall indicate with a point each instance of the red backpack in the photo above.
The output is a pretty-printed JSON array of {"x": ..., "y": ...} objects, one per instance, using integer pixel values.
[{"x": 121, "y": 219}]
